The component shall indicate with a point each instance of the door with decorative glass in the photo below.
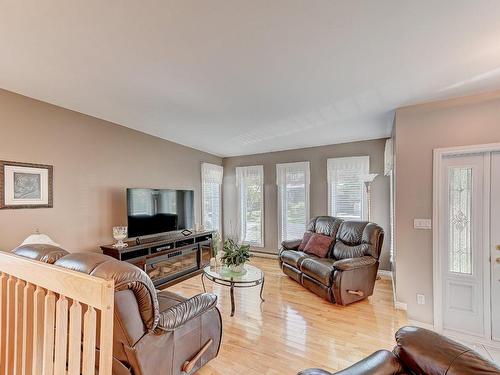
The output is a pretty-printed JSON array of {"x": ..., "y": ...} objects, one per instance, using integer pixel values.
[{"x": 464, "y": 187}]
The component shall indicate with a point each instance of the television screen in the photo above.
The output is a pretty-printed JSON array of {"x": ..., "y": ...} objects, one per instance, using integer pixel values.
[{"x": 154, "y": 211}]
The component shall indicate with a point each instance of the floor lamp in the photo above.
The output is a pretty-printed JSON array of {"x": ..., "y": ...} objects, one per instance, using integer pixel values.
[{"x": 368, "y": 179}]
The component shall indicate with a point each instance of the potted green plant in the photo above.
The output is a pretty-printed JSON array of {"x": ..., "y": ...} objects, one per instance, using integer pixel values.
[{"x": 235, "y": 255}]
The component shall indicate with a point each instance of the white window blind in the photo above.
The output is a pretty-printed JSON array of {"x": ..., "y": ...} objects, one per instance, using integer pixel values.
[
  {"x": 388, "y": 157},
  {"x": 346, "y": 190},
  {"x": 250, "y": 185},
  {"x": 211, "y": 181},
  {"x": 293, "y": 199}
]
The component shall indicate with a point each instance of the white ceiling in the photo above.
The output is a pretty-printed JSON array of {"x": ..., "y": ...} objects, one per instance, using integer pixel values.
[{"x": 240, "y": 77}]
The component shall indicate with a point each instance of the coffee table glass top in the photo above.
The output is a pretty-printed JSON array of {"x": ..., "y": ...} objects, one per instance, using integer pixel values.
[{"x": 251, "y": 275}]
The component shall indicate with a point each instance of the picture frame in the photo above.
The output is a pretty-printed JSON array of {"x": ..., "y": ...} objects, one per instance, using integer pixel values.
[{"x": 25, "y": 185}]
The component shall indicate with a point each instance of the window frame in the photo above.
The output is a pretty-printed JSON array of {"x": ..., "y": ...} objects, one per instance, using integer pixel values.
[
  {"x": 239, "y": 187},
  {"x": 281, "y": 194},
  {"x": 219, "y": 169},
  {"x": 365, "y": 161}
]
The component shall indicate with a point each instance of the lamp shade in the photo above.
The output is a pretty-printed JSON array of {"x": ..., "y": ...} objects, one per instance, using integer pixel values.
[{"x": 39, "y": 239}]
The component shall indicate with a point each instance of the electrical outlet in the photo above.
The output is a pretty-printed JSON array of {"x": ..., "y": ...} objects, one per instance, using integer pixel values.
[
  {"x": 422, "y": 223},
  {"x": 421, "y": 299}
]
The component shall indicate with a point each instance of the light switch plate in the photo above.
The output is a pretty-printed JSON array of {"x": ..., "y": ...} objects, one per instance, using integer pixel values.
[
  {"x": 422, "y": 223},
  {"x": 421, "y": 299}
]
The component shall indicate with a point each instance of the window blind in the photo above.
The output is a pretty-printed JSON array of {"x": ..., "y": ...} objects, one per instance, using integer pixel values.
[
  {"x": 388, "y": 157},
  {"x": 293, "y": 199},
  {"x": 250, "y": 184},
  {"x": 346, "y": 190},
  {"x": 211, "y": 181}
]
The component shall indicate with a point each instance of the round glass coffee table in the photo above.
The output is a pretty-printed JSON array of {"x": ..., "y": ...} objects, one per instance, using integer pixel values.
[{"x": 222, "y": 276}]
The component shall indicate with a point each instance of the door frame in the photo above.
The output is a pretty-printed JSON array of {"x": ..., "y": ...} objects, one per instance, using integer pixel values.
[{"x": 438, "y": 155}]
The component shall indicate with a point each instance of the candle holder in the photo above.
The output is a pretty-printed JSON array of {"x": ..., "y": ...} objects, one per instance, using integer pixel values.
[{"x": 119, "y": 234}]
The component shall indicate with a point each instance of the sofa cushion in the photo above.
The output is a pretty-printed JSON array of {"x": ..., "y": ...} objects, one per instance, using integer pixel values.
[
  {"x": 293, "y": 257},
  {"x": 42, "y": 252},
  {"x": 292, "y": 272},
  {"x": 320, "y": 269},
  {"x": 327, "y": 225},
  {"x": 319, "y": 245},
  {"x": 305, "y": 240},
  {"x": 358, "y": 238},
  {"x": 317, "y": 288}
]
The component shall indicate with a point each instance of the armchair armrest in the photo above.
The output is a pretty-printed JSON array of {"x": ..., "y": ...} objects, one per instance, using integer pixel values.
[
  {"x": 354, "y": 263},
  {"x": 381, "y": 362},
  {"x": 291, "y": 244},
  {"x": 179, "y": 314}
]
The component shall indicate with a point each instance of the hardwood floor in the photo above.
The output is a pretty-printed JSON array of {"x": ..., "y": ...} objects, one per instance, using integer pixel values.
[{"x": 294, "y": 329}]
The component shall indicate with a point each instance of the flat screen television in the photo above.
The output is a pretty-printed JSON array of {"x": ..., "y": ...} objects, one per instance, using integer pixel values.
[{"x": 155, "y": 211}]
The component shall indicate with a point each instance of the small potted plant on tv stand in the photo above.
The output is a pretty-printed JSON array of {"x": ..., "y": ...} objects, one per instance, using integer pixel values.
[{"x": 235, "y": 256}]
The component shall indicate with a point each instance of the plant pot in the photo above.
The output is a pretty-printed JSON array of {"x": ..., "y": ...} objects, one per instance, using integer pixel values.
[{"x": 237, "y": 269}]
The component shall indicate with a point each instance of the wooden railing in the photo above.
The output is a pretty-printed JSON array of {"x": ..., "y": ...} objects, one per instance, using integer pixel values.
[{"x": 51, "y": 320}]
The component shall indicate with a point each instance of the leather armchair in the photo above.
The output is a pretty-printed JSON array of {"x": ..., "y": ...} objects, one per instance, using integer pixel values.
[
  {"x": 155, "y": 332},
  {"x": 349, "y": 271},
  {"x": 419, "y": 351}
]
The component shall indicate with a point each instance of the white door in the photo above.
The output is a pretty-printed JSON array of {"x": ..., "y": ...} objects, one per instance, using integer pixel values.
[
  {"x": 495, "y": 245},
  {"x": 461, "y": 247}
]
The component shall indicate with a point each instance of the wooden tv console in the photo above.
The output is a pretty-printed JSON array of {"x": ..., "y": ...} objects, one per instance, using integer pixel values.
[{"x": 168, "y": 259}]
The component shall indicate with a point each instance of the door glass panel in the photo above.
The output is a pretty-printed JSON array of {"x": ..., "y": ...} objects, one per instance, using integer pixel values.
[{"x": 460, "y": 227}]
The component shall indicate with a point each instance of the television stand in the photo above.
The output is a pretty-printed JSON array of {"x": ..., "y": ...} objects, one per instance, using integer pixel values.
[{"x": 169, "y": 259}]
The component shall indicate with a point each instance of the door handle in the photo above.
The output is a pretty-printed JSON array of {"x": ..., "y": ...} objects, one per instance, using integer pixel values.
[{"x": 498, "y": 260}]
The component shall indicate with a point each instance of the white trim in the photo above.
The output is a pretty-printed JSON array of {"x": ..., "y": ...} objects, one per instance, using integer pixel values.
[
  {"x": 219, "y": 168},
  {"x": 306, "y": 166},
  {"x": 436, "y": 264},
  {"x": 416, "y": 323},
  {"x": 239, "y": 173},
  {"x": 473, "y": 149},
  {"x": 438, "y": 155},
  {"x": 330, "y": 162},
  {"x": 400, "y": 306},
  {"x": 384, "y": 274}
]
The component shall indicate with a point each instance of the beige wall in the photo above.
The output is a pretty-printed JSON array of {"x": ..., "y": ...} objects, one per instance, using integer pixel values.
[
  {"x": 317, "y": 156},
  {"x": 419, "y": 130},
  {"x": 94, "y": 161}
]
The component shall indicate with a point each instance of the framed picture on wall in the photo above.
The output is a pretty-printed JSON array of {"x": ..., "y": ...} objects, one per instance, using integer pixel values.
[{"x": 24, "y": 185}]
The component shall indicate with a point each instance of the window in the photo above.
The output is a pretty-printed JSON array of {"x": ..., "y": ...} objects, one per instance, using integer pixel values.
[
  {"x": 346, "y": 190},
  {"x": 389, "y": 171},
  {"x": 250, "y": 185},
  {"x": 211, "y": 181},
  {"x": 293, "y": 199},
  {"x": 460, "y": 227}
]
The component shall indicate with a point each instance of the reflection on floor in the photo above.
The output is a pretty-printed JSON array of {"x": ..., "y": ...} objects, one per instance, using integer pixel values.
[{"x": 294, "y": 329}]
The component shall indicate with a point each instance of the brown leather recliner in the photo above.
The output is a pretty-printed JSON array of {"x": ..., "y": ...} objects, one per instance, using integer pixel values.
[
  {"x": 419, "y": 351},
  {"x": 154, "y": 332},
  {"x": 349, "y": 271}
]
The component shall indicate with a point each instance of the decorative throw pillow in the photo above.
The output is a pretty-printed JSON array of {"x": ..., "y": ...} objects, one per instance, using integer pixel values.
[
  {"x": 318, "y": 245},
  {"x": 305, "y": 239}
]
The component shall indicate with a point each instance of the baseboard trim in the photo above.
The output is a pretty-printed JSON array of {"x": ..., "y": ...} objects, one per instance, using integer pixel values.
[
  {"x": 400, "y": 306},
  {"x": 384, "y": 274},
  {"x": 417, "y": 323},
  {"x": 259, "y": 254}
]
